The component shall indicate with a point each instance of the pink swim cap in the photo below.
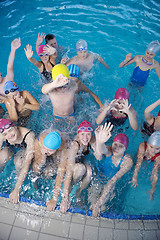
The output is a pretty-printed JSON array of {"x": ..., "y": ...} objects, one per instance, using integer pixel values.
[
  {"x": 159, "y": 113},
  {"x": 121, "y": 93},
  {"x": 85, "y": 127},
  {"x": 122, "y": 138},
  {"x": 40, "y": 49},
  {"x": 4, "y": 122}
]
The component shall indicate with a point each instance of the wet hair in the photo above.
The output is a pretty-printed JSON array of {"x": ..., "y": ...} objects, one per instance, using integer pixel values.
[{"x": 49, "y": 36}]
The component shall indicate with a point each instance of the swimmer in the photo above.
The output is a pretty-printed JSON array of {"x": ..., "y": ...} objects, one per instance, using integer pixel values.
[
  {"x": 84, "y": 59},
  {"x": 150, "y": 152},
  {"x": 19, "y": 104},
  {"x": 74, "y": 73},
  {"x": 50, "y": 149},
  {"x": 144, "y": 64},
  {"x": 119, "y": 110},
  {"x": 11, "y": 139},
  {"x": 61, "y": 92},
  {"x": 116, "y": 163},
  {"x": 47, "y": 55},
  {"x": 15, "y": 44},
  {"x": 78, "y": 170}
]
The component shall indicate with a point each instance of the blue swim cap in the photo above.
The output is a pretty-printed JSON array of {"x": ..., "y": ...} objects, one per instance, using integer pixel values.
[
  {"x": 52, "y": 140},
  {"x": 10, "y": 86},
  {"x": 74, "y": 70}
]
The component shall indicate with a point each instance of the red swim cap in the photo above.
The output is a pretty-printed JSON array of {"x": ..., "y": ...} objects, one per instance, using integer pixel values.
[
  {"x": 121, "y": 93},
  {"x": 159, "y": 113},
  {"x": 85, "y": 127},
  {"x": 40, "y": 49},
  {"x": 5, "y": 124},
  {"x": 122, "y": 138}
]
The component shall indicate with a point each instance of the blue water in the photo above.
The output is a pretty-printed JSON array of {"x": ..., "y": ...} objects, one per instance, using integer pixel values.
[{"x": 111, "y": 29}]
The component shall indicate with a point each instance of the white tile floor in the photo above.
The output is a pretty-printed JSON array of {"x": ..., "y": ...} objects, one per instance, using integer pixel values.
[{"x": 30, "y": 222}]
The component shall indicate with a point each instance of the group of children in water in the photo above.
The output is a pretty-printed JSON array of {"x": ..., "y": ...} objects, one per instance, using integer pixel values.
[{"x": 65, "y": 157}]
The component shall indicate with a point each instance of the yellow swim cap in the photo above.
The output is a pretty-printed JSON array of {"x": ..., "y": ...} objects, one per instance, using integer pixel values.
[{"x": 60, "y": 69}]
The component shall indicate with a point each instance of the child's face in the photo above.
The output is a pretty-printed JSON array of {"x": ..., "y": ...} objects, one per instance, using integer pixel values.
[
  {"x": 44, "y": 58},
  {"x": 14, "y": 94},
  {"x": 11, "y": 134},
  {"x": 52, "y": 43},
  {"x": 46, "y": 151},
  {"x": 149, "y": 55},
  {"x": 153, "y": 149},
  {"x": 85, "y": 137},
  {"x": 82, "y": 54},
  {"x": 118, "y": 149}
]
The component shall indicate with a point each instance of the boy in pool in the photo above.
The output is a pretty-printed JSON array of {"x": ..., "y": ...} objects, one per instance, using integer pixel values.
[
  {"x": 13, "y": 138},
  {"x": 50, "y": 149},
  {"x": 84, "y": 59},
  {"x": 61, "y": 92},
  {"x": 144, "y": 64},
  {"x": 19, "y": 103}
]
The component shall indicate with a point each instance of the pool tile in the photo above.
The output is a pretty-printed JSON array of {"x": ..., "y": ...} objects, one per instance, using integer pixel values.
[
  {"x": 78, "y": 218},
  {"x": 119, "y": 234},
  {"x": 90, "y": 233},
  {"x": 20, "y": 234},
  {"x": 136, "y": 224},
  {"x": 4, "y": 231},
  {"x": 148, "y": 225},
  {"x": 105, "y": 234},
  {"x": 108, "y": 223},
  {"x": 121, "y": 224},
  {"x": 92, "y": 221},
  {"x": 134, "y": 235},
  {"x": 7, "y": 215},
  {"x": 28, "y": 221},
  {"x": 158, "y": 234},
  {"x": 4, "y": 202},
  {"x": 52, "y": 226},
  {"x": 149, "y": 235},
  {"x": 58, "y": 215},
  {"x": 49, "y": 237},
  {"x": 76, "y": 231},
  {"x": 32, "y": 209}
]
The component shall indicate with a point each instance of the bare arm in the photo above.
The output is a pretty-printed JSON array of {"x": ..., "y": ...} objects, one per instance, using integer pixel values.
[
  {"x": 33, "y": 104},
  {"x": 29, "y": 54},
  {"x": 132, "y": 116},
  {"x": 127, "y": 61},
  {"x": 105, "y": 112},
  {"x": 147, "y": 113},
  {"x": 11, "y": 108},
  {"x": 39, "y": 41},
  {"x": 100, "y": 59},
  {"x": 157, "y": 68},
  {"x": 154, "y": 177}
]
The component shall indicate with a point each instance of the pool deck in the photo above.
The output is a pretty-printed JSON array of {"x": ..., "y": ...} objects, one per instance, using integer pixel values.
[{"x": 25, "y": 221}]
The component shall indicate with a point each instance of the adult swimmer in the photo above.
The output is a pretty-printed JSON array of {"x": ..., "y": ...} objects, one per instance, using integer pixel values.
[
  {"x": 20, "y": 142},
  {"x": 47, "y": 55},
  {"x": 78, "y": 170},
  {"x": 144, "y": 64},
  {"x": 150, "y": 152},
  {"x": 119, "y": 110},
  {"x": 115, "y": 164},
  {"x": 19, "y": 103},
  {"x": 50, "y": 151}
]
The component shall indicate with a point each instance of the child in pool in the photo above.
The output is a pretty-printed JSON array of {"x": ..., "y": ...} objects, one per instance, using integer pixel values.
[
  {"x": 47, "y": 55},
  {"x": 84, "y": 59},
  {"x": 78, "y": 170},
  {"x": 12, "y": 138},
  {"x": 50, "y": 149},
  {"x": 116, "y": 163},
  {"x": 61, "y": 92},
  {"x": 15, "y": 44},
  {"x": 150, "y": 152},
  {"x": 144, "y": 64},
  {"x": 19, "y": 104},
  {"x": 118, "y": 110}
]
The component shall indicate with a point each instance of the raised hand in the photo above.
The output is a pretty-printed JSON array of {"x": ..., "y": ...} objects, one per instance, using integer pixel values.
[
  {"x": 126, "y": 107},
  {"x": 64, "y": 60},
  {"x": 60, "y": 81},
  {"x": 28, "y": 51},
  {"x": 49, "y": 50},
  {"x": 16, "y": 43},
  {"x": 40, "y": 38},
  {"x": 128, "y": 57},
  {"x": 103, "y": 133}
]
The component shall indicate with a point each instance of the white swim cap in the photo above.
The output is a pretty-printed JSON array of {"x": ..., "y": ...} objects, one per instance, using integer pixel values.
[
  {"x": 154, "y": 47},
  {"x": 81, "y": 45},
  {"x": 154, "y": 139}
]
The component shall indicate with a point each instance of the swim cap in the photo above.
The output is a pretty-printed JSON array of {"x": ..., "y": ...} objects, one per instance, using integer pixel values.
[
  {"x": 52, "y": 140},
  {"x": 153, "y": 47},
  {"x": 60, "y": 69},
  {"x": 10, "y": 86},
  {"x": 41, "y": 48},
  {"x": 85, "y": 127},
  {"x": 122, "y": 138},
  {"x": 154, "y": 139},
  {"x": 121, "y": 93},
  {"x": 159, "y": 113},
  {"x": 73, "y": 70},
  {"x": 5, "y": 124},
  {"x": 81, "y": 45}
]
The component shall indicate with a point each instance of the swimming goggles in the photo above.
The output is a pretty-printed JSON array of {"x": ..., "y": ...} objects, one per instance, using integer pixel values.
[
  {"x": 43, "y": 54},
  {"x": 6, "y": 127},
  {"x": 81, "y": 49},
  {"x": 11, "y": 90},
  {"x": 85, "y": 128}
]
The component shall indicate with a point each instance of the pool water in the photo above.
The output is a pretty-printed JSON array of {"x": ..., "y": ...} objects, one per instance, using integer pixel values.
[{"x": 111, "y": 29}]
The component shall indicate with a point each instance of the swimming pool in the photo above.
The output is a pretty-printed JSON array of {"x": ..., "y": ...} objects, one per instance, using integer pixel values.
[{"x": 111, "y": 30}]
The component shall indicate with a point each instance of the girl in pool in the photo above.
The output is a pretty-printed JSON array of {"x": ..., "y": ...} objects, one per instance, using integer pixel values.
[
  {"x": 14, "y": 138},
  {"x": 118, "y": 110},
  {"x": 78, "y": 170},
  {"x": 144, "y": 64},
  {"x": 47, "y": 55},
  {"x": 115, "y": 164},
  {"x": 149, "y": 151},
  {"x": 19, "y": 103}
]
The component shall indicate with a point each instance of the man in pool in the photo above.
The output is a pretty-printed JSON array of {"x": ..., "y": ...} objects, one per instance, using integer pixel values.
[
  {"x": 61, "y": 92},
  {"x": 84, "y": 59},
  {"x": 14, "y": 138},
  {"x": 144, "y": 64}
]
